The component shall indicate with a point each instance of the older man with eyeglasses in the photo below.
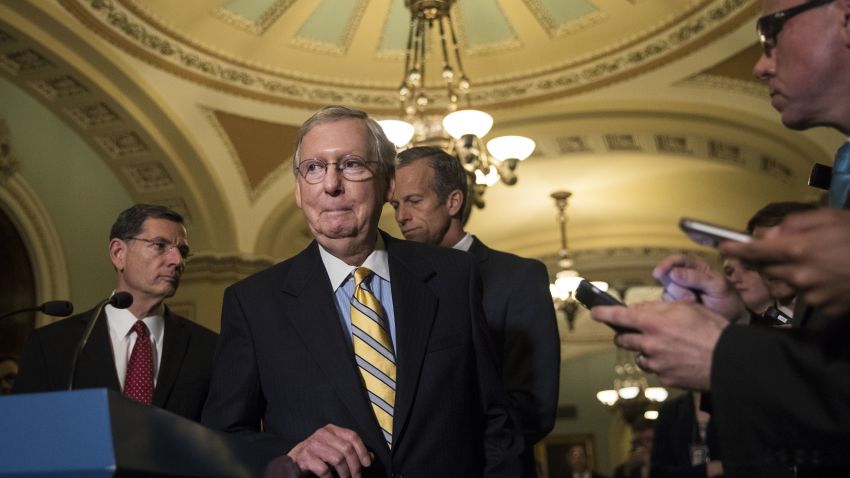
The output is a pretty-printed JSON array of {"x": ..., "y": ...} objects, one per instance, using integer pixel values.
[
  {"x": 780, "y": 397},
  {"x": 363, "y": 355},
  {"x": 146, "y": 352}
]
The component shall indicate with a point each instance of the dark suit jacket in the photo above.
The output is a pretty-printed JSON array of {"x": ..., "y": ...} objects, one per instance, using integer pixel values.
[
  {"x": 285, "y": 360},
  {"x": 184, "y": 374},
  {"x": 675, "y": 430},
  {"x": 781, "y": 397},
  {"x": 521, "y": 318}
]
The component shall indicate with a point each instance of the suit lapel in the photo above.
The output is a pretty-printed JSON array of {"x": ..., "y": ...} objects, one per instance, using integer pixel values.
[
  {"x": 311, "y": 309},
  {"x": 97, "y": 365},
  {"x": 479, "y": 250},
  {"x": 175, "y": 342},
  {"x": 415, "y": 307}
]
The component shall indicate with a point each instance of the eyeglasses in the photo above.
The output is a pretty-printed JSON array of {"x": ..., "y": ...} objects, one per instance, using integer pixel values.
[
  {"x": 769, "y": 26},
  {"x": 352, "y": 168},
  {"x": 162, "y": 247}
]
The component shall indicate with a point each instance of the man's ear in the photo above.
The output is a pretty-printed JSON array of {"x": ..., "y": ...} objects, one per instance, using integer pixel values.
[
  {"x": 454, "y": 202},
  {"x": 390, "y": 189},
  {"x": 843, "y": 7},
  {"x": 118, "y": 253},
  {"x": 298, "y": 193}
]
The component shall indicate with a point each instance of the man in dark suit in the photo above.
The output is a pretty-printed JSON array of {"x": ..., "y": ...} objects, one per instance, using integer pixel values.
[
  {"x": 429, "y": 200},
  {"x": 779, "y": 397},
  {"x": 145, "y": 351},
  {"x": 362, "y": 355}
]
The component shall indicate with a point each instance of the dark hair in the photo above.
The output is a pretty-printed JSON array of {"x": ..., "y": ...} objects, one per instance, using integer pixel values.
[
  {"x": 380, "y": 146},
  {"x": 12, "y": 357},
  {"x": 129, "y": 222},
  {"x": 449, "y": 174},
  {"x": 774, "y": 213}
]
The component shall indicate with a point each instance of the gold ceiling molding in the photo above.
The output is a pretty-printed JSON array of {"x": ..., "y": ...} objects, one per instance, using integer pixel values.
[
  {"x": 128, "y": 31},
  {"x": 258, "y": 27},
  {"x": 553, "y": 28},
  {"x": 718, "y": 82}
]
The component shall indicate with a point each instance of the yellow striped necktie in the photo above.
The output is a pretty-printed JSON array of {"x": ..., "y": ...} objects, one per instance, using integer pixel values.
[{"x": 373, "y": 351}]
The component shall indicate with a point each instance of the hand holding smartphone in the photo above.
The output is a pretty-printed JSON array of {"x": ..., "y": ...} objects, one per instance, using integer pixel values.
[
  {"x": 590, "y": 296},
  {"x": 710, "y": 235}
]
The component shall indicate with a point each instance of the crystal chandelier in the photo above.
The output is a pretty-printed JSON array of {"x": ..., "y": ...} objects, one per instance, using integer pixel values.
[
  {"x": 566, "y": 279},
  {"x": 631, "y": 393},
  {"x": 461, "y": 129}
]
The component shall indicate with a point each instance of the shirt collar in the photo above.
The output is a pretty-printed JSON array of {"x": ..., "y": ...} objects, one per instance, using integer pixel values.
[
  {"x": 464, "y": 243},
  {"x": 122, "y": 321},
  {"x": 338, "y": 271}
]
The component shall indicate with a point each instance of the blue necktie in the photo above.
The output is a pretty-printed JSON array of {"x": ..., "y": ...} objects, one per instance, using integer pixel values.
[{"x": 839, "y": 186}]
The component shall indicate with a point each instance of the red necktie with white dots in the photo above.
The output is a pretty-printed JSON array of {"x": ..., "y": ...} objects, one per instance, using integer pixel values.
[{"x": 138, "y": 384}]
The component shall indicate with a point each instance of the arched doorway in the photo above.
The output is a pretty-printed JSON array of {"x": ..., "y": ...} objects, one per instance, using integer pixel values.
[{"x": 17, "y": 288}]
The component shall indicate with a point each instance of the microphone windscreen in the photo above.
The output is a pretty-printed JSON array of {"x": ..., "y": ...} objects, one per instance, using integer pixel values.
[
  {"x": 121, "y": 300},
  {"x": 57, "y": 308}
]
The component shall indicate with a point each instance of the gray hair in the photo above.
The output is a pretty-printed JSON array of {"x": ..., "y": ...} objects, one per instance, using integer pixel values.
[
  {"x": 449, "y": 174},
  {"x": 379, "y": 145}
]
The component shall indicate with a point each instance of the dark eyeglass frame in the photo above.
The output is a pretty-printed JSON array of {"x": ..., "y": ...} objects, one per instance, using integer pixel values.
[
  {"x": 163, "y": 247},
  {"x": 769, "y": 26},
  {"x": 339, "y": 166}
]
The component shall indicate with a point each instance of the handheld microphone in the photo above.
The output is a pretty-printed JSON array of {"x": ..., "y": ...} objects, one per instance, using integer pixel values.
[
  {"x": 119, "y": 300},
  {"x": 56, "y": 308}
]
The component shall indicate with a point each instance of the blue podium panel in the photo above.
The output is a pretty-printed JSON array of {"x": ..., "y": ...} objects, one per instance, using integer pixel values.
[
  {"x": 56, "y": 434},
  {"x": 99, "y": 433}
]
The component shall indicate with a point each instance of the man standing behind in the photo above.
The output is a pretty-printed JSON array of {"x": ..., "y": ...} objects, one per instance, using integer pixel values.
[
  {"x": 429, "y": 198},
  {"x": 362, "y": 355},
  {"x": 145, "y": 351}
]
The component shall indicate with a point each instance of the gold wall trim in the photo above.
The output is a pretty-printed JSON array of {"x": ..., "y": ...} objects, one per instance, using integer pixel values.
[{"x": 269, "y": 16}]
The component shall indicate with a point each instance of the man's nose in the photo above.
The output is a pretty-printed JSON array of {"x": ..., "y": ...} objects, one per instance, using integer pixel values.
[
  {"x": 764, "y": 67},
  {"x": 332, "y": 181}
]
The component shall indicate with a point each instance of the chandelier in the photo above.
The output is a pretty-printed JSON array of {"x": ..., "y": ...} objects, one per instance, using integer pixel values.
[
  {"x": 631, "y": 393},
  {"x": 566, "y": 279},
  {"x": 462, "y": 129}
]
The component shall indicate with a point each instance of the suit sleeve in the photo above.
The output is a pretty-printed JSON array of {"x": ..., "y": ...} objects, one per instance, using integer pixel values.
[
  {"x": 502, "y": 434},
  {"x": 32, "y": 374},
  {"x": 235, "y": 403},
  {"x": 531, "y": 368},
  {"x": 780, "y": 396}
]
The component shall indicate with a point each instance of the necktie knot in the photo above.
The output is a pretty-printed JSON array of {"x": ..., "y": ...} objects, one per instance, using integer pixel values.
[
  {"x": 360, "y": 275},
  {"x": 140, "y": 329}
]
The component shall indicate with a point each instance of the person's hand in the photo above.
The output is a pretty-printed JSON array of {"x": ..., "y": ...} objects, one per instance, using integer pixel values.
[
  {"x": 676, "y": 339},
  {"x": 811, "y": 252},
  {"x": 331, "y": 449},
  {"x": 690, "y": 279},
  {"x": 714, "y": 468}
]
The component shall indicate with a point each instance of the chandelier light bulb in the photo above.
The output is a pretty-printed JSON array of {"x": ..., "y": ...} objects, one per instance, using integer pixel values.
[
  {"x": 397, "y": 131},
  {"x": 656, "y": 394},
  {"x": 628, "y": 393},
  {"x": 650, "y": 414},
  {"x": 403, "y": 91},
  {"x": 448, "y": 73},
  {"x": 463, "y": 122},
  {"x": 506, "y": 147},
  {"x": 422, "y": 100},
  {"x": 414, "y": 76},
  {"x": 608, "y": 397},
  {"x": 601, "y": 285},
  {"x": 463, "y": 83}
]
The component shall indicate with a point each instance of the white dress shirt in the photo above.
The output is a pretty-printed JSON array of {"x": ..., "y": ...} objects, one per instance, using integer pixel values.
[
  {"x": 120, "y": 322},
  {"x": 464, "y": 244}
]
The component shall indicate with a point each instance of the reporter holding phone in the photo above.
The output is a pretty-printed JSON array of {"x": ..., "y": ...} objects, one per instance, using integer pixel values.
[{"x": 780, "y": 397}]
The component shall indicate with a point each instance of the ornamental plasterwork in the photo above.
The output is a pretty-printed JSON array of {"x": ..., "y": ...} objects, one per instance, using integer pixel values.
[
  {"x": 64, "y": 86},
  {"x": 750, "y": 88},
  {"x": 183, "y": 59},
  {"x": 150, "y": 177},
  {"x": 488, "y": 48},
  {"x": 258, "y": 27},
  {"x": 553, "y": 28},
  {"x": 8, "y": 164},
  {"x": 93, "y": 115}
]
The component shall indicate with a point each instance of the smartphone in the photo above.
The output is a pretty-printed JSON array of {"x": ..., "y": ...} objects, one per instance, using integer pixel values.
[
  {"x": 590, "y": 296},
  {"x": 710, "y": 235}
]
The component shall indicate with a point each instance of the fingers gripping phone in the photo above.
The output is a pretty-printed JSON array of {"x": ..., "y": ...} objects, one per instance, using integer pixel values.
[
  {"x": 710, "y": 235},
  {"x": 590, "y": 296}
]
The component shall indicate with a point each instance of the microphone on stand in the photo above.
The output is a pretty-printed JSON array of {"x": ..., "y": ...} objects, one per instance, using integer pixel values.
[
  {"x": 119, "y": 300},
  {"x": 56, "y": 308}
]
